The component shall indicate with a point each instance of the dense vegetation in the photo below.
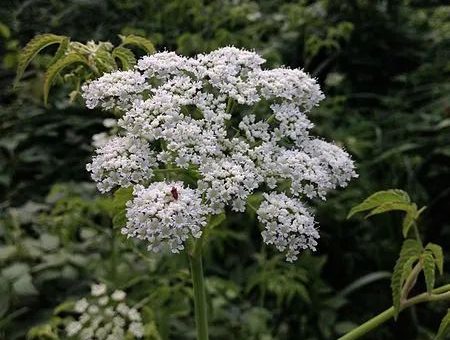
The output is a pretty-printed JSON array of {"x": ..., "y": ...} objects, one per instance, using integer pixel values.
[{"x": 384, "y": 67}]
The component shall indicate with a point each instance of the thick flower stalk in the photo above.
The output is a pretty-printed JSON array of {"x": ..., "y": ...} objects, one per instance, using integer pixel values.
[{"x": 230, "y": 126}]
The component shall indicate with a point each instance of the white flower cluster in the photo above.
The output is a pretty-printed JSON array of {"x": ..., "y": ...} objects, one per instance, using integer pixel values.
[
  {"x": 226, "y": 123},
  {"x": 288, "y": 225},
  {"x": 105, "y": 317},
  {"x": 122, "y": 161},
  {"x": 165, "y": 214}
]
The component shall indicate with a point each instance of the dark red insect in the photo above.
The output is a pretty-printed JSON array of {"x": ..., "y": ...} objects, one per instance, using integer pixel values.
[{"x": 174, "y": 193}]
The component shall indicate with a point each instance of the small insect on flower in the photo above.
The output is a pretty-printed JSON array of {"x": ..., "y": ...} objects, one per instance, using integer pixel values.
[{"x": 174, "y": 193}]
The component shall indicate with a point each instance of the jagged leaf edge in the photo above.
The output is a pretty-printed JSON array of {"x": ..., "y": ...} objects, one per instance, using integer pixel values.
[
  {"x": 410, "y": 248},
  {"x": 57, "y": 67},
  {"x": 138, "y": 41},
  {"x": 125, "y": 56},
  {"x": 379, "y": 198},
  {"x": 32, "y": 48}
]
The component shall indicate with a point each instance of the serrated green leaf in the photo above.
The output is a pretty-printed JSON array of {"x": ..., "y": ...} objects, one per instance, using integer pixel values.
[
  {"x": 428, "y": 270},
  {"x": 380, "y": 198},
  {"x": 42, "y": 332},
  {"x": 444, "y": 327},
  {"x": 408, "y": 266},
  {"x": 438, "y": 255},
  {"x": 66, "y": 306},
  {"x": 63, "y": 46},
  {"x": 410, "y": 248},
  {"x": 409, "y": 219},
  {"x": 57, "y": 67},
  {"x": 104, "y": 61},
  {"x": 389, "y": 207},
  {"x": 138, "y": 41},
  {"x": 34, "y": 46},
  {"x": 125, "y": 56}
]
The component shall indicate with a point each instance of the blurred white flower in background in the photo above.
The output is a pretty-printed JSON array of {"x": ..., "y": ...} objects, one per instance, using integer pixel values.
[{"x": 104, "y": 316}]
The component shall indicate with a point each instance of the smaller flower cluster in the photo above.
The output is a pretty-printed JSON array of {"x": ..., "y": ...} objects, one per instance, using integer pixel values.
[
  {"x": 105, "y": 317},
  {"x": 165, "y": 215},
  {"x": 118, "y": 89},
  {"x": 122, "y": 161},
  {"x": 288, "y": 225}
]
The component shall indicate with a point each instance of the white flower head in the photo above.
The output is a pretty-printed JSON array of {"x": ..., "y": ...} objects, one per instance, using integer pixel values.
[
  {"x": 165, "y": 214},
  {"x": 288, "y": 225},
  {"x": 105, "y": 316},
  {"x": 228, "y": 124},
  {"x": 122, "y": 161}
]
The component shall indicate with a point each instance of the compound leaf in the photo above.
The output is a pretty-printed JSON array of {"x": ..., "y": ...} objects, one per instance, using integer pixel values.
[
  {"x": 105, "y": 61},
  {"x": 410, "y": 249},
  {"x": 408, "y": 266},
  {"x": 125, "y": 56},
  {"x": 57, "y": 67},
  {"x": 63, "y": 46},
  {"x": 138, "y": 41},
  {"x": 438, "y": 255},
  {"x": 37, "y": 44},
  {"x": 444, "y": 327},
  {"x": 389, "y": 206},
  {"x": 380, "y": 198},
  {"x": 409, "y": 219},
  {"x": 428, "y": 270}
]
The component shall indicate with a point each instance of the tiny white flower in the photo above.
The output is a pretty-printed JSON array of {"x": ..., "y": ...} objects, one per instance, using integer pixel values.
[
  {"x": 137, "y": 329},
  {"x": 98, "y": 289},
  {"x": 122, "y": 308},
  {"x": 103, "y": 301},
  {"x": 73, "y": 328},
  {"x": 81, "y": 305},
  {"x": 134, "y": 315},
  {"x": 93, "y": 309},
  {"x": 118, "y": 295}
]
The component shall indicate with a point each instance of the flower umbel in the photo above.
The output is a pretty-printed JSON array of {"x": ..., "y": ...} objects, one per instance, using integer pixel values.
[
  {"x": 216, "y": 128},
  {"x": 104, "y": 316},
  {"x": 165, "y": 214}
]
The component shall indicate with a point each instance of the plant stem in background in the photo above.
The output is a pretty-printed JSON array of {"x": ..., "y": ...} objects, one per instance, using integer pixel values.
[
  {"x": 200, "y": 307},
  {"x": 439, "y": 294}
]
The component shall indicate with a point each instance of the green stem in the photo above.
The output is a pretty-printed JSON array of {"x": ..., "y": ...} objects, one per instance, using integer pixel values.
[
  {"x": 411, "y": 281},
  {"x": 369, "y": 325},
  {"x": 201, "y": 317},
  {"x": 114, "y": 255},
  {"x": 439, "y": 294},
  {"x": 230, "y": 104},
  {"x": 416, "y": 232}
]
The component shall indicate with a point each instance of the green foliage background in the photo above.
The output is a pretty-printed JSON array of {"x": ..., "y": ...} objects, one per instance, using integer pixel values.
[{"x": 385, "y": 68}]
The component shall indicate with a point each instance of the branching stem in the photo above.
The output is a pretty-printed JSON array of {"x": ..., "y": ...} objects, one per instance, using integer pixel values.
[{"x": 438, "y": 294}]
